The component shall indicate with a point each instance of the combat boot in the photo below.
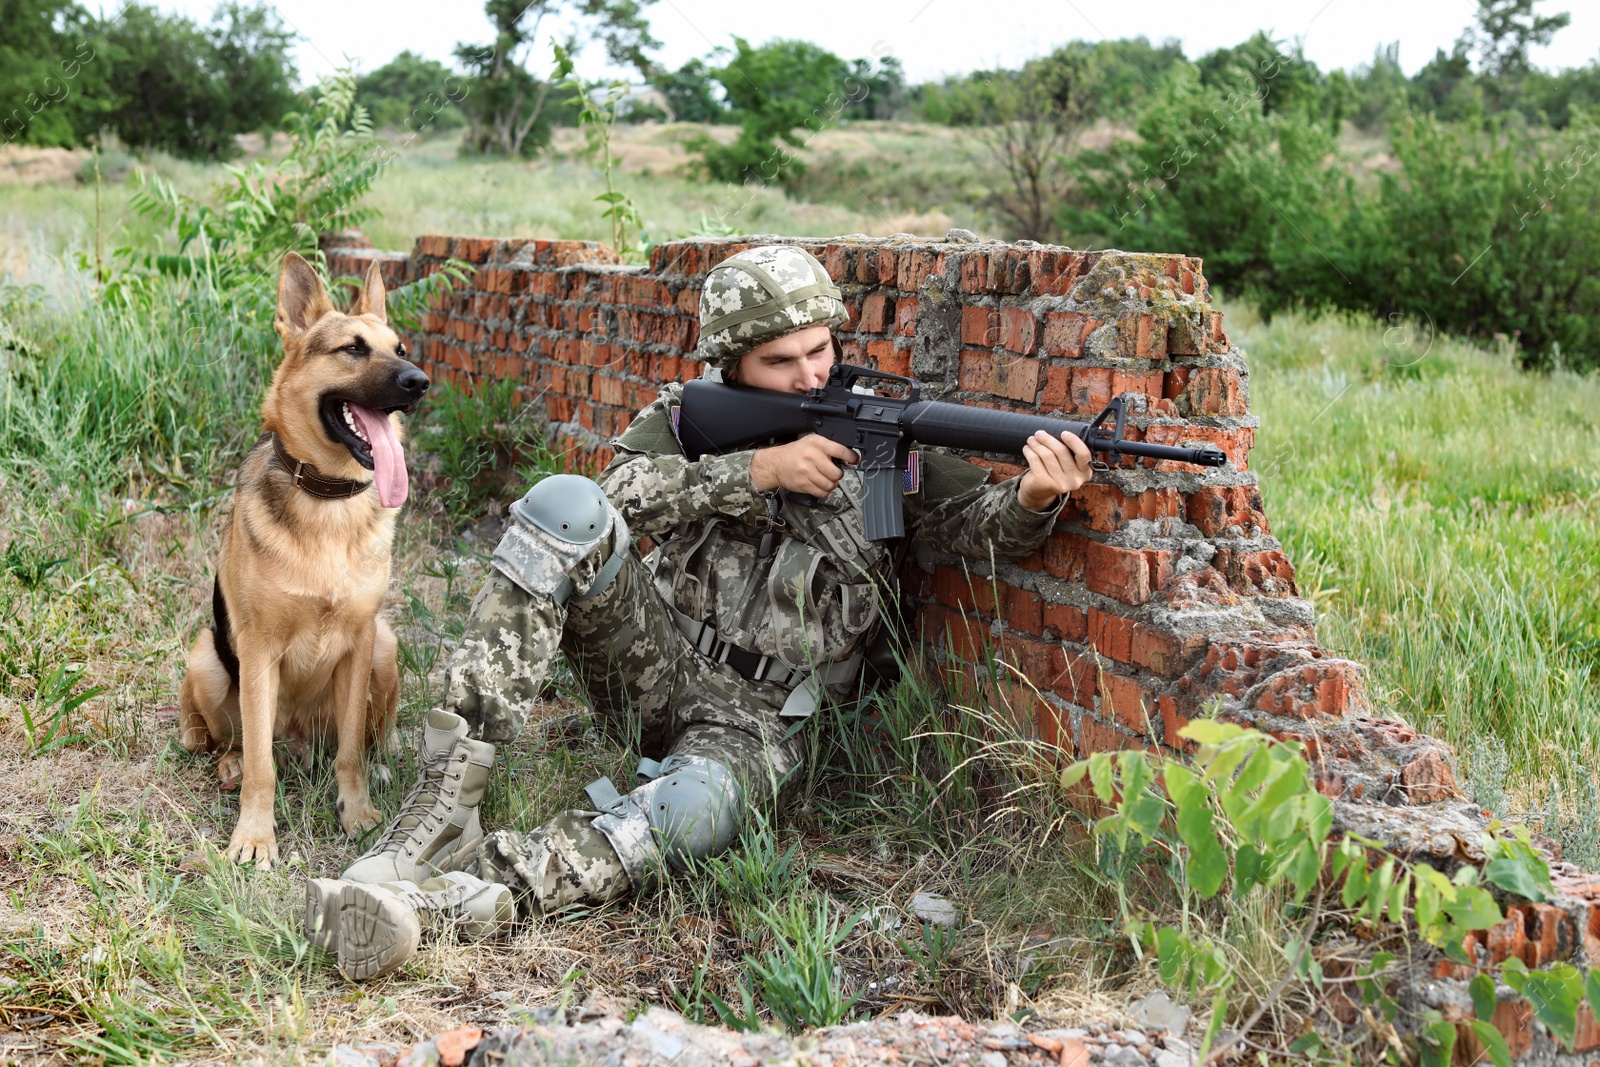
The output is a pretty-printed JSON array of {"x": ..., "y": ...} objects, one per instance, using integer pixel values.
[
  {"x": 437, "y": 829},
  {"x": 371, "y": 929}
]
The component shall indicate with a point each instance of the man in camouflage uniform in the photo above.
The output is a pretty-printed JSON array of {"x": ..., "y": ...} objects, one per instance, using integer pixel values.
[{"x": 751, "y": 608}]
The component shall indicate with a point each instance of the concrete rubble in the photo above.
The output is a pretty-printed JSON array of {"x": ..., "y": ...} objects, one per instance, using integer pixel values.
[{"x": 660, "y": 1037}]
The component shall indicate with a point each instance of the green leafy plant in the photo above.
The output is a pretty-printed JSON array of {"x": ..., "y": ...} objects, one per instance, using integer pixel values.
[
  {"x": 1246, "y": 817},
  {"x": 485, "y": 446},
  {"x": 598, "y": 121},
  {"x": 230, "y": 250}
]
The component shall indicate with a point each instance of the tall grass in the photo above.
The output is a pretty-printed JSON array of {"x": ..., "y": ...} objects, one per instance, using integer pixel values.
[{"x": 1443, "y": 510}]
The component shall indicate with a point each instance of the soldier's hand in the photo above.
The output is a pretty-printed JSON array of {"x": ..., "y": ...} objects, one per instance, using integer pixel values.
[
  {"x": 1056, "y": 466},
  {"x": 810, "y": 465}
]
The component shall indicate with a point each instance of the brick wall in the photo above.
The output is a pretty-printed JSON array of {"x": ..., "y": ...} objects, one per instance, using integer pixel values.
[{"x": 1162, "y": 587}]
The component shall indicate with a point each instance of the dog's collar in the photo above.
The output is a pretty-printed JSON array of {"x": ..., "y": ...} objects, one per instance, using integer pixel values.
[{"x": 307, "y": 478}]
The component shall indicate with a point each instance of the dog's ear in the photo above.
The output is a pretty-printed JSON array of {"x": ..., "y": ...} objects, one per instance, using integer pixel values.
[
  {"x": 370, "y": 300},
  {"x": 302, "y": 298}
]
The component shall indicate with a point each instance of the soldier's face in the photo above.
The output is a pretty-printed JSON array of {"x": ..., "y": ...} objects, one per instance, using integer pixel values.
[{"x": 794, "y": 363}]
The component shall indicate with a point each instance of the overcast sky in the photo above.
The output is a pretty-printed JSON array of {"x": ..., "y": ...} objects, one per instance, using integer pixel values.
[{"x": 933, "y": 38}]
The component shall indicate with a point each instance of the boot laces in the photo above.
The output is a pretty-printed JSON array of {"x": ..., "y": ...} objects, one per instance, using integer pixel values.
[{"x": 417, "y": 810}]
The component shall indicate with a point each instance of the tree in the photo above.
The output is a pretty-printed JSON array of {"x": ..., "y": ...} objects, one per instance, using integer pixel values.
[
  {"x": 505, "y": 104},
  {"x": 49, "y": 78},
  {"x": 691, "y": 93},
  {"x": 413, "y": 94},
  {"x": 1445, "y": 87},
  {"x": 189, "y": 90},
  {"x": 773, "y": 91},
  {"x": 884, "y": 89},
  {"x": 1506, "y": 30},
  {"x": 1036, "y": 119}
]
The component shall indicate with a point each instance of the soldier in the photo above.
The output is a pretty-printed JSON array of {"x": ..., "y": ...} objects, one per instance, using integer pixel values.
[{"x": 750, "y": 610}]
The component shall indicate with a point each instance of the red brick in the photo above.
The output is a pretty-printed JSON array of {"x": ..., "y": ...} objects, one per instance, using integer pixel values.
[
  {"x": 836, "y": 261},
  {"x": 887, "y": 271},
  {"x": 1105, "y": 507},
  {"x": 1094, "y": 736},
  {"x": 905, "y": 316},
  {"x": 1065, "y": 555},
  {"x": 1514, "y": 1020},
  {"x": 877, "y": 311},
  {"x": 1091, "y": 390},
  {"x": 1117, "y": 572},
  {"x": 1054, "y": 273},
  {"x": 1064, "y": 333},
  {"x": 889, "y": 359},
  {"x": 1014, "y": 377},
  {"x": 1057, "y": 394},
  {"x": 1151, "y": 342},
  {"x": 1158, "y": 651},
  {"x": 1042, "y": 663},
  {"x": 1235, "y": 444},
  {"x": 1215, "y": 508},
  {"x": 1146, "y": 382},
  {"x": 1018, "y": 331},
  {"x": 980, "y": 326},
  {"x": 1055, "y": 728},
  {"x": 1172, "y": 722},
  {"x": 964, "y": 590},
  {"x": 1066, "y": 620},
  {"x": 1126, "y": 699},
  {"x": 1548, "y": 937},
  {"x": 1079, "y": 680},
  {"x": 1162, "y": 563},
  {"x": 1111, "y": 635},
  {"x": 1022, "y": 609},
  {"x": 433, "y": 244},
  {"x": 913, "y": 268},
  {"x": 1215, "y": 391},
  {"x": 974, "y": 273}
]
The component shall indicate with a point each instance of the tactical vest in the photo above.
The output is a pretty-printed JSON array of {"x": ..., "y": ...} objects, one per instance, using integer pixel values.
[{"x": 814, "y": 599}]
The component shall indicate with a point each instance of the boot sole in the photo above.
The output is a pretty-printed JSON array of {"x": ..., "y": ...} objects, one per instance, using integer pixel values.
[{"x": 368, "y": 930}]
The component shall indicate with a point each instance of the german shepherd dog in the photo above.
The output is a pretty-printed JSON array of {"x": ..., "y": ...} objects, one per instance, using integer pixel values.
[{"x": 297, "y": 649}]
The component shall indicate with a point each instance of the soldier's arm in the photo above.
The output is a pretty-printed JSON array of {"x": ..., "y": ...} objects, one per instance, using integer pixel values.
[
  {"x": 955, "y": 510},
  {"x": 657, "y": 487}
]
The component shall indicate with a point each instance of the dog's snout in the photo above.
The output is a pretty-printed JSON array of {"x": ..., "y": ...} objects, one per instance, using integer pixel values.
[{"x": 414, "y": 382}]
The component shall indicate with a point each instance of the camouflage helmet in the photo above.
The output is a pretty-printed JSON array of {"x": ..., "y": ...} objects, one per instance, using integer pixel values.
[{"x": 759, "y": 294}]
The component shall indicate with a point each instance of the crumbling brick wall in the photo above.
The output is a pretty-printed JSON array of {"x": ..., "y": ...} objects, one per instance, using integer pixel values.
[{"x": 1162, "y": 589}]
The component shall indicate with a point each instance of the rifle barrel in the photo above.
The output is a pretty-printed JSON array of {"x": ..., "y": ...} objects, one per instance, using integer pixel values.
[{"x": 934, "y": 422}]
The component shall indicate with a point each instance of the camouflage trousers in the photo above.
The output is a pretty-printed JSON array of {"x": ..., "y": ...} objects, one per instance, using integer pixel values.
[{"x": 631, "y": 659}]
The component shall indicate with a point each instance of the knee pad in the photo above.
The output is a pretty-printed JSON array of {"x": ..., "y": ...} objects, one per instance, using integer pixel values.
[
  {"x": 691, "y": 812},
  {"x": 558, "y": 525}
]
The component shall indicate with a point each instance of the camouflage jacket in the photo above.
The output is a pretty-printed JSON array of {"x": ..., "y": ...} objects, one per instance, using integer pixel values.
[{"x": 816, "y": 598}]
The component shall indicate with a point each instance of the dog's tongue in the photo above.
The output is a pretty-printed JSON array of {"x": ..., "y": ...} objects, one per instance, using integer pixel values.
[{"x": 388, "y": 458}]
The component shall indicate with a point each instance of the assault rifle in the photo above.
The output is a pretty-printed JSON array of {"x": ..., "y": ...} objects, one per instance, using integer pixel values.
[{"x": 716, "y": 417}]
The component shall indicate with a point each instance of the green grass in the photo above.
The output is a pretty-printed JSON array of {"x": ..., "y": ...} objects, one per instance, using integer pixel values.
[
  {"x": 1443, "y": 512},
  {"x": 1440, "y": 509}
]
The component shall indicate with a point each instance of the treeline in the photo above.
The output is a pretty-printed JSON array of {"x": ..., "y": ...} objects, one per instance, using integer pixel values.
[
  {"x": 1478, "y": 213},
  {"x": 155, "y": 80}
]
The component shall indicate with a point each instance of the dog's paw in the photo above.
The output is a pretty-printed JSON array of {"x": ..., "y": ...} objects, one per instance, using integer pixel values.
[
  {"x": 250, "y": 844},
  {"x": 230, "y": 770},
  {"x": 358, "y": 818}
]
